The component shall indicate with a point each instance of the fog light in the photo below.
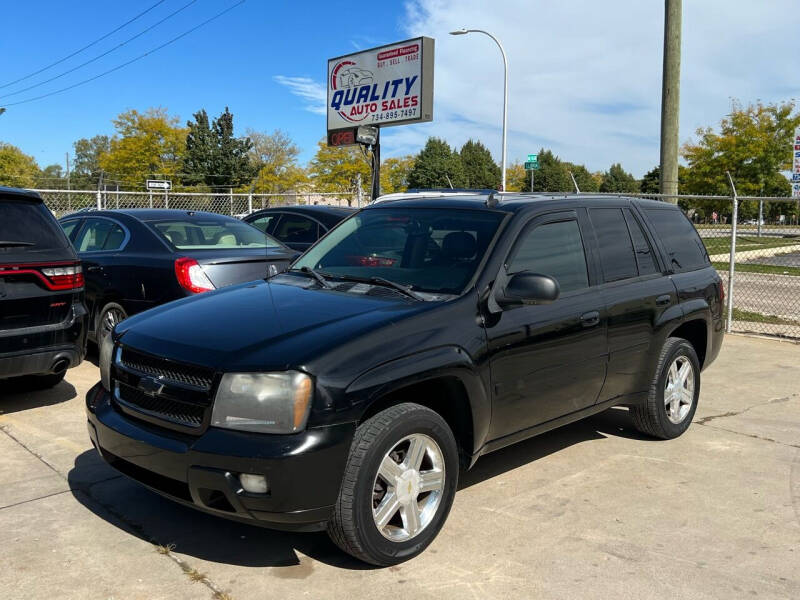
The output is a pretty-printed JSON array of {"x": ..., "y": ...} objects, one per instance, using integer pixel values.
[{"x": 255, "y": 484}]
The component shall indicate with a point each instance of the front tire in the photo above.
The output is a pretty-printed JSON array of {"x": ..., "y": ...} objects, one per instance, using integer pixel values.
[
  {"x": 672, "y": 400},
  {"x": 398, "y": 485}
]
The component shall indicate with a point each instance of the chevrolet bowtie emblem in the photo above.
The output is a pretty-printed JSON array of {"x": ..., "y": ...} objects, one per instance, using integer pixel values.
[{"x": 150, "y": 386}]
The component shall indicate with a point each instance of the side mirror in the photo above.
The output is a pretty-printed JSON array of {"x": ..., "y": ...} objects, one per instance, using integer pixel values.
[{"x": 528, "y": 288}]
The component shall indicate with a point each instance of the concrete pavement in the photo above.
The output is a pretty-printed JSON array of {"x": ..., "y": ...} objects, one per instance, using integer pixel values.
[{"x": 592, "y": 510}]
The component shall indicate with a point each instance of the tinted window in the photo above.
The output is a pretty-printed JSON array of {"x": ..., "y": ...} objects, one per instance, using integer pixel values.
[
  {"x": 208, "y": 232},
  {"x": 294, "y": 229},
  {"x": 69, "y": 227},
  {"x": 553, "y": 249},
  {"x": 684, "y": 248},
  {"x": 614, "y": 242},
  {"x": 29, "y": 225},
  {"x": 430, "y": 249},
  {"x": 96, "y": 233},
  {"x": 266, "y": 223},
  {"x": 644, "y": 254}
]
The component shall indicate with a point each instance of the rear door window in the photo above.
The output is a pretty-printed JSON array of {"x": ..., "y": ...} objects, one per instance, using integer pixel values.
[
  {"x": 29, "y": 226},
  {"x": 614, "y": 243},
  {"x": 70, "y": 227},
  {"x": 684, "y": 248}
]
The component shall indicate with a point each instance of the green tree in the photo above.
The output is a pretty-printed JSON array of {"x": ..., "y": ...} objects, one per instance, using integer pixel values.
[
  {"x": 274, "y": 155},
  {"x": 85, "y": 172},
  {"x": 436, "y": 166},
  {"x": 650, "y": 182},
  {"x": 52, "y": 177},
  {"x": 752, "y": 143},
  {"x": 552, "y": 175},
  {"x": 394, "y": 174},
  {"x": 587, "y": 181},
  {"x": 516, "y": 177},
  {"x": 146, "y": 145},
  {"x": 17, "y": 169},
  {"x": 480, "y": 170},
  {"x": 616, "y": 179},
  {"x": 214, "y": 157},
  {"x": 336, "y": 168}
]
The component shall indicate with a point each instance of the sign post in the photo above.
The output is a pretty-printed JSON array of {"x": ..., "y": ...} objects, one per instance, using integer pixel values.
[
  {"x": 380, "y": 87},
  {"x": 532, "y": 164},
  {"x": 160, "y": 184}
]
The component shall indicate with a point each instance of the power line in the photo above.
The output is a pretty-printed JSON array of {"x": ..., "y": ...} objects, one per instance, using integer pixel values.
[
  {"x": 133, "y": 60},
  {"x": 99, "y": 56},
  {"x": 100, "y": 39}
]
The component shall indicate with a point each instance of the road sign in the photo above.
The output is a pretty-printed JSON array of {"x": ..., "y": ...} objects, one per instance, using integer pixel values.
[
  {"x": 388, "y": 85},
  {"x": 532, "y": 165},
  {"x": 159, "y": 184},
  {"x": 796, "y": 164},
  {"x": 533, "y": 157}
]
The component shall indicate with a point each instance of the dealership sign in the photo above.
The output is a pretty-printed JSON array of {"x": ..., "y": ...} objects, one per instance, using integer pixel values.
[{"x": 389, "y": 85}]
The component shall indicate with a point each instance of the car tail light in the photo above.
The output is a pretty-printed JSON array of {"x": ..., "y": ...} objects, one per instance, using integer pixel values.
[
  {"x": 56, "y": 277},
  {"x": 191, "y": 276}
]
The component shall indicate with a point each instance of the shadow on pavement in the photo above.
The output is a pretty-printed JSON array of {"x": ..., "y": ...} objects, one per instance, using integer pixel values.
[
  {"x": 143, "y": 513},
  {"x": 14, "y": 397}
]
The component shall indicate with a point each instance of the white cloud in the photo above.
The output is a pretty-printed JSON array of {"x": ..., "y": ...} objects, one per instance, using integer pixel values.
[
  {"x": 585, "y": 76},
  {"x": 311, "y": 91}
]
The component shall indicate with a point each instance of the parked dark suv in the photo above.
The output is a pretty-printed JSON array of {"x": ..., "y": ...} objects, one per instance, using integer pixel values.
[
  {"x": 42, "y": 314},
  {"x": 419, "y": 334}
]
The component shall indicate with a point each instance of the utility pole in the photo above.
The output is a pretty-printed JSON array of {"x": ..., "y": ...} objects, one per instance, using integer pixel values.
[
  {"x": 670, "y": 99},
  {"x": 67, "y": 155}
]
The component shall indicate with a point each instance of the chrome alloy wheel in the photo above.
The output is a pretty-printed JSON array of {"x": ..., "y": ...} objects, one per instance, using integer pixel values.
[
  {"x": 679, "y": 389},
  {"x": 111, "y": 318},
  {"x": 408, "y": 487}
]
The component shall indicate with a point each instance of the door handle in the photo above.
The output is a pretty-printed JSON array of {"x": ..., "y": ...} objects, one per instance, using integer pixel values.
[
  {"x": 590, "y": 319},
  {"x": 664, "y": 300},
  {"x": 94, "y": 268}
]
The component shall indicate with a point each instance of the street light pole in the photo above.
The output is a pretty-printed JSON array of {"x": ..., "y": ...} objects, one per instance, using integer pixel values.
[{"x": 505, "y": 93}]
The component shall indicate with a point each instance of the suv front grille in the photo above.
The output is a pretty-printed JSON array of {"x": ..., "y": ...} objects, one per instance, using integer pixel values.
[
  {"x": 166, "y": 369},
  {"x": 182, "y": 413}
]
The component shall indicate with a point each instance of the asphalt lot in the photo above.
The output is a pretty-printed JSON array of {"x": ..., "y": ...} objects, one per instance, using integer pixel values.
[{"x": 592, "y": 510}]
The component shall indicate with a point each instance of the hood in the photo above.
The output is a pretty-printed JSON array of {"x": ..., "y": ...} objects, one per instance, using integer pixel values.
[{"x": 261, "y": 325}]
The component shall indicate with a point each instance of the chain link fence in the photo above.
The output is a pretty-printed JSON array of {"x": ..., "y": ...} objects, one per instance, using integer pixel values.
[
  {"x": 753, "y": 242},
  {"x": 64, "y": 202}
]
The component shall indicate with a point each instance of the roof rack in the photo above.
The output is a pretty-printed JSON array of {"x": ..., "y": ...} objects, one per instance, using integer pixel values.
[{"x": 444, "y": 190}]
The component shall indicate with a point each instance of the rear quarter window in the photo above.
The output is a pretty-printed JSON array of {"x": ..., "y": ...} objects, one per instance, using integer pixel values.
[{"x": 685, "y": 249}]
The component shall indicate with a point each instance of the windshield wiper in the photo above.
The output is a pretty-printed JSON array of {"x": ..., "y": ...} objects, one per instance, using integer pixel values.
[
  {"x": 403, "y": 289},
  {"x": 7, "y": 243},
  {"x": 315, "y": 274}
]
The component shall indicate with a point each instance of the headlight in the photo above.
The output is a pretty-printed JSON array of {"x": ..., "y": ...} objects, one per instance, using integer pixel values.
[
  {"x": 106, "y": 352},
  {"x": 263, "y": 402}
]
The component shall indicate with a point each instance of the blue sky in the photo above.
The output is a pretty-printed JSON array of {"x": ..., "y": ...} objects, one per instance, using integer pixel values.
[{"x": 584, "y": 76}]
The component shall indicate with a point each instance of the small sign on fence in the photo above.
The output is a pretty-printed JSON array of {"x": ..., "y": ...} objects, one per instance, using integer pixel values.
[
  {"x": 796, "y": 164},
  {"x": 159, "y": 184}
]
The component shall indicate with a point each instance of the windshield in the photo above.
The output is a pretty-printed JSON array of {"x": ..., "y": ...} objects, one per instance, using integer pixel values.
[
  {"x": 209, "y": 233},
  {"x": 428, "y": 249}
]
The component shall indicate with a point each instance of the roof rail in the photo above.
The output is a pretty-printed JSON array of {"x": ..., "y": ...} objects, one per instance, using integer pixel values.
[{"x": 442, "y": 190}]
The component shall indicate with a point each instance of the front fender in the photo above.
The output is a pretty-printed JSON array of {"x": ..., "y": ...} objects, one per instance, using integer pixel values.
[{"x": 444, "y": 361}]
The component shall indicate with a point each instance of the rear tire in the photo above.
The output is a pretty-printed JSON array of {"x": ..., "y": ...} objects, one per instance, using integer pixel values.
[
  {"x": 108, "y": 318},
  {"x": 672, "y": 400},
  {"x": 398, "y": 485}
]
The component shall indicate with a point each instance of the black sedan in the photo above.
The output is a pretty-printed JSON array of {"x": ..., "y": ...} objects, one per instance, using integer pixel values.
[
  {"x": 298, "y": 226},
  {"x": 139, "y": 258}
]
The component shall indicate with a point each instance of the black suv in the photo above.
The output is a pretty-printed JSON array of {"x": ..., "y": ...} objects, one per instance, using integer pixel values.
[
  {"x": 42, "y": 314},
  {"x": 419, "y": 334}
]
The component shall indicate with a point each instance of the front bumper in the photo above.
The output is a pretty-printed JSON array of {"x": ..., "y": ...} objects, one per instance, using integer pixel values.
[{"x": 304, "y": 471}]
